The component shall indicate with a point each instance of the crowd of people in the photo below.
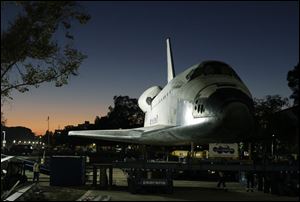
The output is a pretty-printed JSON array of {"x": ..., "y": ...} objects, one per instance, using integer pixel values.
[{"x": 276, "y": 182}]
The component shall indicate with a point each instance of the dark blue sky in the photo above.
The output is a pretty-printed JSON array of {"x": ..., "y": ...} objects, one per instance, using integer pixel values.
[
  {"x": 125, "y": 44},
  {"x": 126, "y": 41}
]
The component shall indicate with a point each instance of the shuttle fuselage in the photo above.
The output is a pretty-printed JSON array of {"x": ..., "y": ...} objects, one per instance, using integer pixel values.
[{"x": 206, "y": 103}]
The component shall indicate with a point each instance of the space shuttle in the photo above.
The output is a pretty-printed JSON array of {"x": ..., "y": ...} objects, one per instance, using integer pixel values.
[{"x": 206, "y": 103}]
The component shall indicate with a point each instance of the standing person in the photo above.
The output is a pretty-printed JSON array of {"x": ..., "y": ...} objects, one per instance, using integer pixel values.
[
  {"x": 36, "y": 171},
  {"x": 259, "y": 181},
  {"x": 221, "y": 180},
  {"x": 250, "y": 181}
]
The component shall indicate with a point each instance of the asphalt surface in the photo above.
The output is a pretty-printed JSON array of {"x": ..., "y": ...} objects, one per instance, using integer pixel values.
[{"x": 183, "y": 191}]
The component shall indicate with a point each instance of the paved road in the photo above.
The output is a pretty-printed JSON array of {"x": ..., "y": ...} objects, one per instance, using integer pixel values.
[{"x": 183, "y": 190}]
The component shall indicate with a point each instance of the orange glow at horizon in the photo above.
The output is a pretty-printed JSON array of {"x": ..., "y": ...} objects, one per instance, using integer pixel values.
[
  {"x": 35, "y": 117},
  {"x": 39, "y": 124}
]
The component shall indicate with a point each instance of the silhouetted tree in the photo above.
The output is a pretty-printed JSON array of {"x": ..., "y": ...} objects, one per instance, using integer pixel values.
[
  {"x": 18, "y": 133},
  {"x": 125, "y": 113},
  {"x": 264, "y": 110},
  {"x": 285, "y": 126},
  {"x": 266, "y": 107},
  {"x": 97, "y": 120},
  {"x": 30, "y": 53},
  {"x": 293, "y": 83},
  {"x": 101, "y": 123}
]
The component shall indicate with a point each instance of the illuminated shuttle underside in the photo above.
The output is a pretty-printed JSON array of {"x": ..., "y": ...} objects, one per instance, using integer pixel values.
[{"x": 206, "y": 103}]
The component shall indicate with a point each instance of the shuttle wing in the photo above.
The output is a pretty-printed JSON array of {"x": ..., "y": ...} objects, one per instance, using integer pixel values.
[
  {"x": 134, "y": 135},
  {"x": 6, "y": 158}
]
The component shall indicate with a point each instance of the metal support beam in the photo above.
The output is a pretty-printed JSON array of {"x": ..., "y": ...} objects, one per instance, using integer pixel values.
[
  {"x": 110, "y": 178},
  {"x": 94, "y": 175},
  {"x": 192, "y": 149}
]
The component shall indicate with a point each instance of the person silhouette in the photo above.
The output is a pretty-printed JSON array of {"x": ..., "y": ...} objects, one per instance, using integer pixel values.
[
  {"x": 221, "y": 180},
  {"x": 36, "y": 171}
]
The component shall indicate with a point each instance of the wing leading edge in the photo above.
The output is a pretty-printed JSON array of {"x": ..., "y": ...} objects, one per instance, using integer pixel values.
[
  {"x": 134, "y": 135},
  {"x": 6, "y": 158}
]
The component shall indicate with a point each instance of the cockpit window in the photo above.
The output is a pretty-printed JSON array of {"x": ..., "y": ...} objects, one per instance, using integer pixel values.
[{"x": 212, "y": 68}]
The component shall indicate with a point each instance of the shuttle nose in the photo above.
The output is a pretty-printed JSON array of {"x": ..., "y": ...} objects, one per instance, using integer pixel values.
[
  {"x": 234, "y": 110},
  {"x": 237, "y": 118}
]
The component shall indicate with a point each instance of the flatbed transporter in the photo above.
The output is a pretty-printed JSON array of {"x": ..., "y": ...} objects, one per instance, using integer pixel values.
[{"x": 159, "y": 174}]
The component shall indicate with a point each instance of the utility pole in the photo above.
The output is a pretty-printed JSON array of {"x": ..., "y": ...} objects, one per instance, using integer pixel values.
[
  {"x": 192, "y": 149},
  {"x": 48, "y": 132}
]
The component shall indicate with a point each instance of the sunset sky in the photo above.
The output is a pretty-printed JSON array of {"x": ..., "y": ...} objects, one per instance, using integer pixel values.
[{"x": 125, "y": 44}]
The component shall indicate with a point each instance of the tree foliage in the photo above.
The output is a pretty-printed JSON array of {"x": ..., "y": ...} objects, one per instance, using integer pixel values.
[
  {"x": 266, "y": 107},
  {"x": 18, "y": 133},
  {"x": 125, "y": 113},
  {"x": 30, "y": 52},
  {"x": 264, "y": 111},
  {"x": 101, "y": 123},
  {"x": 293, "y": 83}
]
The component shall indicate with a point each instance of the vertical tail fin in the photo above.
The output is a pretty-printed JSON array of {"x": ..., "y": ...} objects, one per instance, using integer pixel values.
[{"x": 171, "y": 72}]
